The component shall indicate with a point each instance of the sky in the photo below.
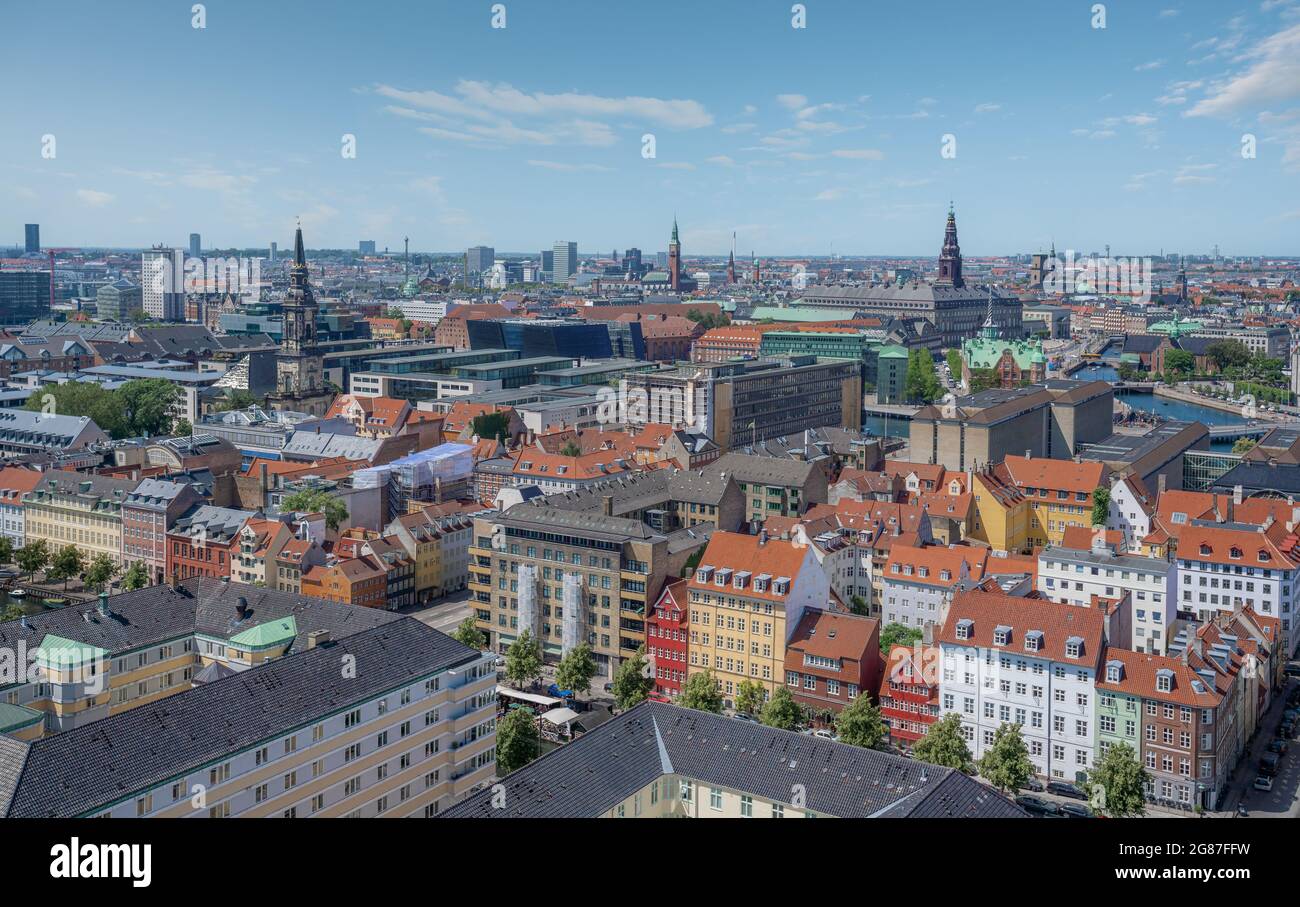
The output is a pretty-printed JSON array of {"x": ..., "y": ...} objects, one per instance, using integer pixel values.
[{"x": 825, "y": 139}]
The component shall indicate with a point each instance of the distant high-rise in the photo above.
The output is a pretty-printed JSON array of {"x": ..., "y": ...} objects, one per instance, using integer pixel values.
[
  {"x": 274, "y": 249},
  {"x": 366, "y": 247},
  {"x": 548, "y": 260},
  {"x": 566, "y": 261},
  {"x": 196, "y": 245},
  {"x": 33, "y": 238},
  {"x": 160, "y": 286},
  {"x": 675, "y": 259},
  {"x": 632, "y": 261},
  {"x": 479, "y": 259}
]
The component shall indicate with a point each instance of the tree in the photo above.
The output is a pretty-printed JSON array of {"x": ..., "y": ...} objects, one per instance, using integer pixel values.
[
  {"x": 524, "y": 659},
  {"x": 571, "y": 450},
  {"x": 317, "y": 500},
  {"x": 468, "y": 633},
  {"x": 953, "y": 357},
  {"x": 147, "y": 404},
  {"x": 749, "y": 697},
  {"x": 899, "y": 635},
  {"x": 69, "y": 562},
  {"x": 491, "y": 426},
  {"x": 182, "y": 427},
  {"x": 136, "y": 577},
  {"x": 943, "y": 744},
  {"x": 6, "y": 549},
  {"x": 517, "y": 741},
  {"x": 33, "y": 557},
  {"x": 701, "y": 692},
  {"x": 13, "y": 611},
  {"x": 782, "y": 711},
  {"x": 861, "y": 724},
  {"x": 1100, "y": 506},
  {"x": 631, "y": 683},
  {"x": 1228, "y": 353},
  {"x": 1006, "y": 763},
  {"x": 1179, "y": 362},
  {"x": 138, "y": 408},
  {"x": 921, "y": 383},
  {"x": 576, "y": 669},
  {"x": 693, "y": 561},
  {"x": 236, "y": 398},
  {"x": 1122, "y": 780},
  {"x": 1242, "y": 445},
  {"x": 100, "y": 572},
  {"x": 858, "y": 605}
]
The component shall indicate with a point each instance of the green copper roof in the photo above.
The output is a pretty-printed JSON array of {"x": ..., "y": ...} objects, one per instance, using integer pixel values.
[
  {"x": 264, "y": 636},
  {"x": 892, "y": 352},
  {"x": 16, "y": 717},
  {"x": 1176, "y": 328},
  {"x": 776, "y": 313},
  {"x": 984, "y": 352},
  {"x": 56, "y": 652}
]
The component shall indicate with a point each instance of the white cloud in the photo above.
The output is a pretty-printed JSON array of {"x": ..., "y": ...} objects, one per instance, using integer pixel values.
[
  {"x": 570, "y": 168},
  {"x": 94, "y": 197},
  {"x": 1273, "y": 75},
  {"x": 792, "y": 101},
  {"x": 829, "y": 195},
  {"x": 987, "y": 107},
  {"x": 859, "y": 154},
  {"x": 1147, "y": 67},
  {"x": 721, "y": 160}
]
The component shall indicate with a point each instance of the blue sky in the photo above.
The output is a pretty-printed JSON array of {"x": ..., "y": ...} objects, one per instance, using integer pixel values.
[{"x": 802, "y": 141}]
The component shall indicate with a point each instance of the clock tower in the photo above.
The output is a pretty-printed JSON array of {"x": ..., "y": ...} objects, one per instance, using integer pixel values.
[{"x": 299, "y": 366}]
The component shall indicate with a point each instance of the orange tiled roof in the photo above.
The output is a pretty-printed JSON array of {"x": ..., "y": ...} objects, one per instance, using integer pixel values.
[{"x": 1057, "y": 623}]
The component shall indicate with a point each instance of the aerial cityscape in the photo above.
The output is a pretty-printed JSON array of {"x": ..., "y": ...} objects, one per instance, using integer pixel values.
[{"x": 735, "y": 410}]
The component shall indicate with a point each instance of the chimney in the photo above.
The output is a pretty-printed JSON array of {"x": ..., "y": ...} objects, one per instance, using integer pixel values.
[
  {"x": 175, "y": 579},
  {"x": 1160, "y": 484},
  {"x": 927, "y": 633},
  {"x": 607, "y": 504},
  {"x": 317, "y": 637},
  {"x": 762, "y": 537},
  {"x": 103, "y": 604},
  {"x": 241, "y": 608},
  {"x": 264, "y": 485},
  {"x": 1236, "y": 495}
]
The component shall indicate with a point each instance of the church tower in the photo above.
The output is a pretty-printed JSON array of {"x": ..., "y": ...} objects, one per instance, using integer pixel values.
[
  {"x": 950, "y": 256},
  {"x": 675, "y": 260},
  {"x": 299, "y": 366}
]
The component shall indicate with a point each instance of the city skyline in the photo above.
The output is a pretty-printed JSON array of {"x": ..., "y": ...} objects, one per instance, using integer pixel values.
[{"x": 816, "y": 141}]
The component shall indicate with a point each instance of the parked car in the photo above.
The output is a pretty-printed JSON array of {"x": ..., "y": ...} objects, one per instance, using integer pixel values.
[
  {"x": 1292, "y": 669},
  {"x": 1075, "y": 811},
  {"x": 741, "y": 716},
  {"x": 824, "y": 734},
  {"x": 1278, "y": 746},
  {"x": 1034, "y": 785},
  {"x": 1037, "y": 806},
  {"x": 1242, "y": 811},
  {"x": 1264, "y": 784},
  {"x": 1268, "y": 763},
  {"x": 1066, "y": 789}
]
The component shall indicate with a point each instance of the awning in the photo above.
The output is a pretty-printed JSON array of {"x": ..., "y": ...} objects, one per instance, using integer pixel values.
[{"x": 559, "y": 716}]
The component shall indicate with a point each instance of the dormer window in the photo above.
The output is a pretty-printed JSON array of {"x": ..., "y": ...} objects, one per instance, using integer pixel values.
[
  {"x": 923, "y": 571},
  {"x": 945, "y": 575},
  {"x": 1206, "y": 549},
  {"x": 702, "y": 575},
  {"x": 782, "y": 585},
  {"x": 1034, "y": 641},
  {"x": 965, "y": 628},
  {"x": 1234, "y": 552},
  {"x": 1264, "y": 555},
  {"x": 1074, "y": 647},
  {"x": 1165, "y": 680},
  {"x": 1114, "y": 671},
  {"x": 1002, "y": 635}
]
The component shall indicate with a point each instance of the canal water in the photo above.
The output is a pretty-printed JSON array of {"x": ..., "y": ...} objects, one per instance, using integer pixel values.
[{"x": 30, "y": 603}]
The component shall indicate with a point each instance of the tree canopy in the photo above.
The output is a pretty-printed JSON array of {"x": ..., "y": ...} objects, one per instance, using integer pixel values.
[
  {"x": 943, "y": 744},
  {"x": 317, "y": 500},
  {"x": 524, "y": 659},
  {"x": 1119, "y": 782},
  {"x": 782, "y": 711},
  {"x": 517, "y": 741},
  {"x": 631, "y": 682},
  {"x": 1006, "y": 763},
  {"x": 861, "y": 724},
  {"x": 467, "y": 633},
  {"x": 576, "y": 669},
  {"x": 139, "y": 408},
  {"x": 701, "y": 692},
  {"x": 921, "y": 384}
]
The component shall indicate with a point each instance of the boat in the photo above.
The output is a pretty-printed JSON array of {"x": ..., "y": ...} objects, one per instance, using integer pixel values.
[
  {"x": 17, "y": 593},
  {"x": 56, "y": 603}
]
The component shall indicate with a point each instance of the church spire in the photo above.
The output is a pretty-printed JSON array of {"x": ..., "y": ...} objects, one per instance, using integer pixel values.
[
  {"x": 950, "y": 256},
  {"x": 990, "y": 330}
]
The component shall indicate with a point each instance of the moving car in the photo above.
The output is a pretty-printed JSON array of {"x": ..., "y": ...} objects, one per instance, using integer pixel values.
[{"x": 1264, "y": 784}]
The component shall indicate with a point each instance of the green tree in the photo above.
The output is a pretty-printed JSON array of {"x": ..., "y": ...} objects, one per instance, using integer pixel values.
[
  {"x": 316, "y": 500},
  {"x": 571, "y": 450},
  {"x": 1179, "y": 362},
  {"x": 138, "y": 408},
  {"x": 33, "y": 557},
  {"x": 749, "y": 697},
  {"x": 136, "y": 577},
  {"x": 99, "y": 572},
  {"x": 491, "y": 426},
  {"x": 921, "y": 383},
  {"x": 147, "y": 405},
  {"x": 782, "y": 711},
  {"x": 858, "y": 605},
  {"x": 631, "y": 681},
  {"x": 524, "y": 659},
  {"x": 182, "y": 427},
  {"x": 1228, "y": 353},
  {"x": 693, "y": 561},
  {"x": 701, "y": 692},
  {"x": 861, "y": 724},
  {"x": 953, "y": 358},
  {"x": 1006, "y": 763},
  {"x": 6, "y": 549},
  {"x": 13, "y": 611},
  {"x": 236, "y": 398},
  {"x": 1100, "y": 506},
  {"x": 69, "y": 562},
  {"x": 943, "y": 744},
  {"x": 518, "y": 742},
  {"x": 898, "y": 635},
  {"x": 1242, "y": 445},
  {"x": 1122, "y": 781},
  {"x": 576, "y": 669},
  {"x": 468, "y": 633}
]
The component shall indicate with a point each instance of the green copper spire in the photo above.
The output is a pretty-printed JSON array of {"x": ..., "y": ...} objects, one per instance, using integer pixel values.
[{"x": 675, "y": 228}]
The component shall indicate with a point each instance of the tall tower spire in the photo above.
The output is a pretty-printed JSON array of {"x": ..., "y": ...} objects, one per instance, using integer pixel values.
[
  {"x": 675, "y": 259},
  {"x": 990, "y": 329},
  {"x": 950, "y": 256}
]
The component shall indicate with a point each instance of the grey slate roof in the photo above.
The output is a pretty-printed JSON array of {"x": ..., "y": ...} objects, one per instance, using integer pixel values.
[
  {"x": 604, "y": 767},
  {"x": 764, "y": 470},
  {"x": 86, "y": 769}
]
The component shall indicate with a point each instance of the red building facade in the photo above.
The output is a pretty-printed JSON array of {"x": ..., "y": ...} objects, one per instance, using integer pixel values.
[
  {"x": 666, "y": 639},
  {"x": 909, "y": 702}
]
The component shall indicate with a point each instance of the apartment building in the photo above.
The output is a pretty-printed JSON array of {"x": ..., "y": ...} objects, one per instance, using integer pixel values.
[
  {"x": 407, "y": 736},
  {"x": 909, "y": 692},
  {"x": 148, "y": 513},
  {"x": 359, "y": 581},
  {"x": 204, "y": 541},
  {"x": 438, "y": 546},
  {"x": 14, "y": 484},
  {"x": 69, "y": 508},
  {"x": 1008, "y": 660},
  {"x": 1085, "y": 575},
  {"x": 659, "y": 760},
  {"x": 746, "y": 598},
  {"x": 667, "y": 632},
  {"x": 1225, "y": 565},
  {"x": 773, "y": 486},
  {"x": 1130, "y": 511},
  {"x": 831, "y": 659},
  {"x": 918, "y": 582},
  {"x": 521, "y": 559},
  {"x": 1058, "y": 492}
]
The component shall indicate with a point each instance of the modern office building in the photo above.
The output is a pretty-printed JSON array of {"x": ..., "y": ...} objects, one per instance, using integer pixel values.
[
  {"x": 479, "y": 260},
  {"x": 118, "y": 300},
  {"x": 24, "y": 296},
  {"x": 196, "y": 245},
  {"x": 577, "y": 339},
  {"x": 366, "y": 247},
  {"x": 565, "y": 261},
  {"x": 161, "y": 285},
  {"x": 32, "y": 238}
]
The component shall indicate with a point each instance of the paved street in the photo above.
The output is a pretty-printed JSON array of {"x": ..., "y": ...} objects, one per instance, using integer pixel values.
[
  {"x": 446, "y": 613},
  {"x": 1282, "y": 802}
]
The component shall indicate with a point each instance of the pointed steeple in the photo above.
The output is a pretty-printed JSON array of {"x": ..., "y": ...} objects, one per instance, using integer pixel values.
[
  {"x": 299, "y": 253},
  {"x": 990, "y": 329},
  {"x": 950, "y": 255},
  {"x": 675, "y": 239}
]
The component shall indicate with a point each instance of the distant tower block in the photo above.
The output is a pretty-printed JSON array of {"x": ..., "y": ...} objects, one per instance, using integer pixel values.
[
  {"x": 574, "y": 613},
  {"x": 530, "y": 613}
]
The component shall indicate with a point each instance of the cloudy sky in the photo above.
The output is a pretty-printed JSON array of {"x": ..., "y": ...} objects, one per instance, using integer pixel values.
[{"x": 828, "y": 138}]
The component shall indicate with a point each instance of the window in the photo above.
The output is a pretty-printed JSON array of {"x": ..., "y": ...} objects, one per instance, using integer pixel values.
[{"x": 715, "y": 798}]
